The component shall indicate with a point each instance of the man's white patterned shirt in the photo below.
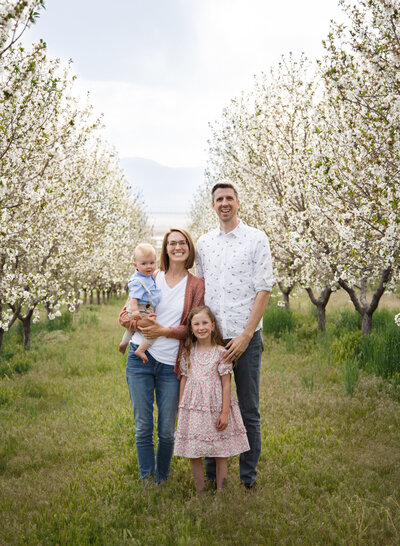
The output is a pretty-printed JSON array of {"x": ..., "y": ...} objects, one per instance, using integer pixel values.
[{"x": 235, "y": 266}]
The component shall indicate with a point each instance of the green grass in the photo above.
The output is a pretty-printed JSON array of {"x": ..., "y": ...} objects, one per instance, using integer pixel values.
[
  {"x": 329, "y": 472},
  {"x": 277, "y": 321}
]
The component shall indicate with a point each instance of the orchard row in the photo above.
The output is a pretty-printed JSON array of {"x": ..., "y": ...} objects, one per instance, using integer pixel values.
[
  {"x": 68, "y": 220},
  {"x": 314, "y": 149}
]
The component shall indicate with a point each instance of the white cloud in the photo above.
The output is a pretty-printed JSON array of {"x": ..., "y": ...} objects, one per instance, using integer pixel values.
[
  {"x": 169, "y": 126},
  {"x": 182, "y": 65}
]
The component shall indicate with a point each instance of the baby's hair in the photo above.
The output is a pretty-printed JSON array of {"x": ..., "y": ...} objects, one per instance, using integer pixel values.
[
  {"x": 190, "y": 339},
  {"x": 145, "y": 248}
]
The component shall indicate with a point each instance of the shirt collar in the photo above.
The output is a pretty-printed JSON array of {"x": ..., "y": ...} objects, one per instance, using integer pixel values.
[
  {"x": 143, "y": 276},
  {"x": 235, "y": 232}
]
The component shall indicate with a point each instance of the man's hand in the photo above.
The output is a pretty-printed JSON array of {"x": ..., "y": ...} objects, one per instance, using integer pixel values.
[{"x": 236, "y": 347}]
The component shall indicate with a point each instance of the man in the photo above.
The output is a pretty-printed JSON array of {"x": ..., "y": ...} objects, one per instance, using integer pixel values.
[{"x": 235, "y": 262}]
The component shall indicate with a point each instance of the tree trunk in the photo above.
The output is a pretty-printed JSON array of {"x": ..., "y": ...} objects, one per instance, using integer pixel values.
[
  {"x": 16, "y": 310},
  {"x": 321, "y": 302},
  {"x": 321, "y": 318},
  {"x": 1, "y": 329},
  {"x": 91, "y": 297},
  {"x": 361, "y": 304},
  {"x": 366, "y": 324},
  {"x": 48, "y": 309},
  {"x": 285, "y": 294},
  {"x": 98, "y": 297},
  {"x": 26, "y": 323},
  {"x": 84, "y": 296},
  {"x": 103, "y": 297}
]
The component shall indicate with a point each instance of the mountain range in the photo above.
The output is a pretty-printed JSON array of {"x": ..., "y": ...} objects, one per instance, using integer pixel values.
[{"x": 164, "y": 189}]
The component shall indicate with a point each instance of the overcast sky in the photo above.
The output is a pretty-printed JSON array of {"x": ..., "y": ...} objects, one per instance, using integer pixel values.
[{"x": 161, "y": 70}]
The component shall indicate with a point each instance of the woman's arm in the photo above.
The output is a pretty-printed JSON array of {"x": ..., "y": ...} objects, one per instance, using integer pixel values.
[
  {"x": 194, "y": 297},
  {"x": 222, "y": 422},
  {"x": 124, "y": 319},
  {"x": 155, "y": 329}
]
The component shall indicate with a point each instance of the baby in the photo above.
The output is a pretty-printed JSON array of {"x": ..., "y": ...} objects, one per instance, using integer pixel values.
[{"x": 143, "y": 296}]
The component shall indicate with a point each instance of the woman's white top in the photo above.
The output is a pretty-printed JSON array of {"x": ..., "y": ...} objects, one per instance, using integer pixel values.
[{"x": 169, "y": 314}]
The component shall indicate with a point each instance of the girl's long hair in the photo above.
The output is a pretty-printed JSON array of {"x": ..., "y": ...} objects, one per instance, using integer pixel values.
[{"x": 190, "y": 339}]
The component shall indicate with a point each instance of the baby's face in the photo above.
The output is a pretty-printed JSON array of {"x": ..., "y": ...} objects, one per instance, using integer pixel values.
[{"x": 145, "y": 263}]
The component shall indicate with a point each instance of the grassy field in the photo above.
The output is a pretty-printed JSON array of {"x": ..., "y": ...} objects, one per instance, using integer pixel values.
[{"x": 329, "y": 471}]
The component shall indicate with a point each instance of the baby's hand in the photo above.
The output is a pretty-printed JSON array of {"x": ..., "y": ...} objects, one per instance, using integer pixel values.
[
  {"x": 222, "y": 422},
  {"x": 136, "y": 315}
]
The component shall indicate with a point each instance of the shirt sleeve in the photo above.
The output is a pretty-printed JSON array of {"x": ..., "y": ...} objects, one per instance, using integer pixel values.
[
  {"x": 262, "y": 265},
  {"x": 224, "y": 367},
  {"x": 136, "y": 289},
  {"x": 155, "y": 295},
  {"x": 199, "y": 265}
]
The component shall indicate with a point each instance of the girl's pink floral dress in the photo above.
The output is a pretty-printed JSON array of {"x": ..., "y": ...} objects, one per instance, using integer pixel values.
[{"x": 196, "y": 434}]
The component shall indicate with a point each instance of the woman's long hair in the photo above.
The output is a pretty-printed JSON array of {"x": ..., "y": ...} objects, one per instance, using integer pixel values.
[
  {"x": 164, "y": 258},
  {"x": 190, "y": 339}
]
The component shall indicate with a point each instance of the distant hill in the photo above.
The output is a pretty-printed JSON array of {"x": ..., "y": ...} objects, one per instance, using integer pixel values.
[{"x": 164, "y": 189}]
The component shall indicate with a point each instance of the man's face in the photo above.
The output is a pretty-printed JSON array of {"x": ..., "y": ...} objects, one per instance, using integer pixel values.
[{"x": 225, "y": 204}]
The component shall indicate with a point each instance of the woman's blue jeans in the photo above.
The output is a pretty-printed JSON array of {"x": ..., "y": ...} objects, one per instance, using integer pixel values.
[{"x": 143, "y": 381}]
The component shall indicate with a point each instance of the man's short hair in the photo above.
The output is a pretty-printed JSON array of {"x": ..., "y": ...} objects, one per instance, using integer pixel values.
[{"x": 222, "y": 185}]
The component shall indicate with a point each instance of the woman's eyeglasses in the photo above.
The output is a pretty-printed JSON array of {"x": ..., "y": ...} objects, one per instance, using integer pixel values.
[{"x": 177, "y": 243}]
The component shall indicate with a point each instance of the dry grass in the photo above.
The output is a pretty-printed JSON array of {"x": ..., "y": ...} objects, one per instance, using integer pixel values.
[
  {"x": 300, "y": 301},
  {"x": 329, "y": 471}
]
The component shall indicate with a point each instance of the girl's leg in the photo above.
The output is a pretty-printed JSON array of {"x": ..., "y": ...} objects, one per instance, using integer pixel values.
[
  {"x": 222, "y": 471},
  {"x": 198, "y": 474}
]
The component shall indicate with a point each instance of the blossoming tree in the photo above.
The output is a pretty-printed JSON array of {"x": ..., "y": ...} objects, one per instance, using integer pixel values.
[
  {"x": 361, "y": 151},
  {"x": 65, "y": 206},
  {"x": 265, "y": 144}
]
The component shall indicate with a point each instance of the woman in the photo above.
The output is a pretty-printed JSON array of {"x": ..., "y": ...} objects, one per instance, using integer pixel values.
[{"x": 180, "y": 292}]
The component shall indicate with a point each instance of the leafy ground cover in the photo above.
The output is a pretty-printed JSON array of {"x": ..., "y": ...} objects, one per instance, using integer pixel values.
[{"x": 329, "y": 471}]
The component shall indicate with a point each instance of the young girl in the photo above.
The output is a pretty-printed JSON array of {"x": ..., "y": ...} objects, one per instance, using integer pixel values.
[{"x": 209, "y": 421}]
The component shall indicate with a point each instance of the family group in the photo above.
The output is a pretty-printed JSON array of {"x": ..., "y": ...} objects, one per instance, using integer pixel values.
[{"x": 186, "y": 335}]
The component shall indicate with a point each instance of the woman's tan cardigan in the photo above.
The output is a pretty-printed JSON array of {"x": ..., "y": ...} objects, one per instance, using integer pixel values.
[{"x": 194, "y": 296}]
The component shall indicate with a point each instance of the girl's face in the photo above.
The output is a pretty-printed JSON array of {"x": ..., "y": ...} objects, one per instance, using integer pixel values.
[{"x": 202, "y": 326}]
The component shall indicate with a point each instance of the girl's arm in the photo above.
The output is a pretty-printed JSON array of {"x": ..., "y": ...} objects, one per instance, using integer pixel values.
[
  {"x": 182, "y": 387},
  {"x": 222, "y": 422}
]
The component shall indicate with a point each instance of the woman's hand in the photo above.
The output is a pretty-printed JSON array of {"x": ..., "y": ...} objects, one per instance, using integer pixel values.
[{"x": 153, "y": 328}]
